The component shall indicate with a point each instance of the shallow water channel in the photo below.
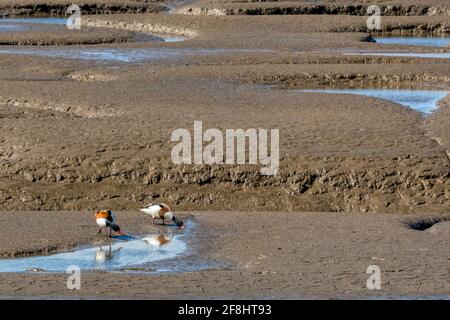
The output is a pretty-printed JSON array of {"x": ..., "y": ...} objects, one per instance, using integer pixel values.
[{"x": 424, "y": 101}]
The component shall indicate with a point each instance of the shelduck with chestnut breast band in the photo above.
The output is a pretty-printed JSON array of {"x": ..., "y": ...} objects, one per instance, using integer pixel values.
[
  {"x": 161, "y": 211},
  {"x": 106, "y": 219}
]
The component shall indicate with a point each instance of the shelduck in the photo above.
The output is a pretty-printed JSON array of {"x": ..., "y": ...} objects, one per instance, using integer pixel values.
[
  {"x": 106, "y": 219},
  {"x": 161, "y": 211}
]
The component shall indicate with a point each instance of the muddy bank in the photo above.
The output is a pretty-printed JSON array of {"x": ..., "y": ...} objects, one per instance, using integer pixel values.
[
  {"x": 304, "y": 8},
  {"x": 93, "y": 145},
  {"x": 401, "y": 190},
  {"x": 338, "y": 153},
  {"x": 141, "y": 27},
  {"x": 262, "y": 255},
  {"x": 59, "y": 8}
]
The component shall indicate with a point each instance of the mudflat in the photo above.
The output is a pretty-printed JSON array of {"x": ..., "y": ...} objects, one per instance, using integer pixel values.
[
  {"x": 73, "y": 127},
  {"x": 245, "y": 255},
  {"x": 86, "y": 118}
]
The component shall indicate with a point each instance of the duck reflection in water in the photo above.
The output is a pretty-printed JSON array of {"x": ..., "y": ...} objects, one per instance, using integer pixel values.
[
  {"x": 158, "y": 240},
  {"x": 105, "y": 254}
]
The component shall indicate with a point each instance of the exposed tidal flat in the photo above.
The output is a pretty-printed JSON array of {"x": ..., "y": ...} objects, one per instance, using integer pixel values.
[{"x": 86, "y": 118}]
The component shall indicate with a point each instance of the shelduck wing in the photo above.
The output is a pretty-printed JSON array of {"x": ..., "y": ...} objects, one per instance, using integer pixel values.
[
  {"x": 163, "y": 210},
  {"x": 111, "y": 216}
]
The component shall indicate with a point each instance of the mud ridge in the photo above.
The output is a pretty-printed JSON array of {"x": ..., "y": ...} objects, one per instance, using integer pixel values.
[
  {"x": 405, "y": 187},
  {"x": 80, "y": 111},
  {"x": 89, "y": 8},
  {"x": 293, "y": 80},
  {"x": 355, "y": 10},
  {"x": 141, "y": 27}
]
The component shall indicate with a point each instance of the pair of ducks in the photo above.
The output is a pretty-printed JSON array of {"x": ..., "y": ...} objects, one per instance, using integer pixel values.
[{"x": 106, "y": 218}]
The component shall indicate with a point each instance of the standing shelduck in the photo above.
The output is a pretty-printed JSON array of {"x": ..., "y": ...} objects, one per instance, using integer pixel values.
[
  {"x": 106, "y": 219},
  {"x": 161, "y": 211}
]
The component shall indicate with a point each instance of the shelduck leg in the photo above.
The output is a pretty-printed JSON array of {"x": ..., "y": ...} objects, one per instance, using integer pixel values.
[
  {"x": 110, "y": 233},
  {"x": 99, "y": 230}
]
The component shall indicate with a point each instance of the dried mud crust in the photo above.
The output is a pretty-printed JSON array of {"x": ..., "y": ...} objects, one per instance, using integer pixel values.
[{"x": 260, "y": 255}]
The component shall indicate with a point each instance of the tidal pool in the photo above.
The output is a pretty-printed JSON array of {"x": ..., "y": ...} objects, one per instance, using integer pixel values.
[
  {"x": 124, "y": 252},
  {"x": 50, "y": 20},
  {"x": 111, "y": 54},
  {"x": 23, "y": 24},
  {"x": 414, "y": 41},
  {"x": 424, "y": 101},
  {"x": 11, "y": 27}
]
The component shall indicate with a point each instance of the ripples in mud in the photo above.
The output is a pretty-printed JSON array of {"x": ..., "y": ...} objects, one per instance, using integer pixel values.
[{"x": 19, "y": 21}]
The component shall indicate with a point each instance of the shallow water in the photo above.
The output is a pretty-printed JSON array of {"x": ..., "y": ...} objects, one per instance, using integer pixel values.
[
  {"x": 11, "y": 27},
  {"x": 424, "y": 101},
  {"x": 172, "y": 38},
  {"x": 50, "y": 20},
  {"x": 110, "y": 54},
  {"x": 415, "y": 41},
  {"x": 122, "y": 253}
]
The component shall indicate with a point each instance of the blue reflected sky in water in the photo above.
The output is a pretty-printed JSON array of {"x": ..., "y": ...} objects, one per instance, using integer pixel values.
[
  {"x": 424, "y": 101},
  {"x": 414, "y": 41},
  {"x": 112, "y": 54},
  {"x": 50, "y": 20},
  {"x": 119, "y": 254}
]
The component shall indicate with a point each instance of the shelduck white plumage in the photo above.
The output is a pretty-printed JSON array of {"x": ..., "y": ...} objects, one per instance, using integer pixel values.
[{"x": 161, "y": 211}]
